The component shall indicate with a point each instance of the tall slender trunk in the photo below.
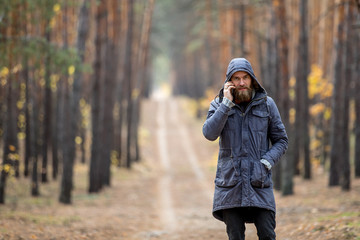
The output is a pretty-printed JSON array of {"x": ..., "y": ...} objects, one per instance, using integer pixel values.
[
  {"x": 57, "y": 130},
  {"x": 284, "y": 181},
  {"x": 128, "y": 76},
  {"x": 141, "y": 77},
  {"x": 109, "y": 95},
  {"x": 47, "y": 102},
  {"x": 68, "y": 159},
  {"x": 302, "y": 101},
  {"x": 242, "y": 30},
  {"x": 272, "y": 82},
  {"x": 47, "y": 114},
  {"x": 345, "y": 179},
  {"x": 34, "y": 137},
  {"x": 357, "y": 100},
  {"x": 11, "y": 152},
  {"x": 337, "y": 105},
  {"x": 83, "y": 33},
  {"x": 28, "y": 149},
  {"x": 95, "y": 178},
  {"x": 210, "y": 55}
]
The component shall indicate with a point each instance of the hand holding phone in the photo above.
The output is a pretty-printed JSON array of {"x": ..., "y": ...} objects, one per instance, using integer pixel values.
[{"x": 229, "y": 89}]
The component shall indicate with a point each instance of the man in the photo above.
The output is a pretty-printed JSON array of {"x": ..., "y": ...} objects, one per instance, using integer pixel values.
[{"x": 247, "y": 121}]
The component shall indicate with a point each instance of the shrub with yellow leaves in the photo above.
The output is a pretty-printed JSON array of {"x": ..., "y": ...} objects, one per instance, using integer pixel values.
[
  {"x": 320, "y": 90},
  {"x": 319, "y": 86}
]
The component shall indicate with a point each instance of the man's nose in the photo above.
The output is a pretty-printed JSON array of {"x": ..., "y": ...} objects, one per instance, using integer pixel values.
[{"x": 241, "y": 82}]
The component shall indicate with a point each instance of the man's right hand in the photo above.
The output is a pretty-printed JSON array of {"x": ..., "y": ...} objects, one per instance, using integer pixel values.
[{"x": 228, "y": 89}]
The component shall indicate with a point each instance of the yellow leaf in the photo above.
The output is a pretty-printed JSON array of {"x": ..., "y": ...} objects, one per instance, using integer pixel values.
[
  {"x": 114, "y": 158},
  {"x": 320, "y": 133},
  {"x": 327, "y": 114},
  {"x": 42, "y": 82},
  {"x": 13, "y": 156},
  {"x": 7, "y": 168},
  {"x": 78, "y": 140},
  {"x": 54, "y": 78},
  {"x": 292, "y": 117},
  {"x": 21, "y": 135},
  {"x": 20, "y": 104},
  {"x": 135, "y": 93},
  {"x": 292, "y": 82},
  {"x": 71, "y": 70},
  {"x": 12, "y": 148},
  {"x": 317, "y": 85},
  {"x": 82, "y": 103},
  {"x": 317, "y": 109},
  {"x": 4, "y": 72},
  {"x": 52, "y": 22},
  {"x": 56, "y": 8}
]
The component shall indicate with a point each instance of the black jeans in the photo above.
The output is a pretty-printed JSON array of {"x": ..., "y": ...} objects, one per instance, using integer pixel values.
[{"x": 264, "y": 220}]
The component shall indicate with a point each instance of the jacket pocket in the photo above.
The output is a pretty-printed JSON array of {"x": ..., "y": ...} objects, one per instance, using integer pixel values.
[
  {"x": 259, "y": 120},
  {"x": 260, "y": 176},
  {"x": 228, "y": 172}
]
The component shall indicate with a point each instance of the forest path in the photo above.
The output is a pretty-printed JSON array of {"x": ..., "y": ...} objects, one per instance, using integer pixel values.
[{"x": 184, "y": 184}]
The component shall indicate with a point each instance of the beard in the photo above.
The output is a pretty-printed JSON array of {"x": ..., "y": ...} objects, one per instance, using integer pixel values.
[{"x": 241, "y": 96}]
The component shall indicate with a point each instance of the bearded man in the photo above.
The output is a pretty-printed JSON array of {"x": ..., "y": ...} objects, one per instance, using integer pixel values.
[{"x": 247, "y": 120}]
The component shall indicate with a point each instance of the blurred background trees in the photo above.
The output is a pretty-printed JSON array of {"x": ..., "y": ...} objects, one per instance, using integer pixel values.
[
  {"x": 68, "y": 70},
  {"x": 73, "y": 75}
]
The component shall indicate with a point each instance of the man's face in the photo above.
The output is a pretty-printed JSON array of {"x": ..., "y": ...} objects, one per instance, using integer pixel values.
[{"x": 243, "y": 87}]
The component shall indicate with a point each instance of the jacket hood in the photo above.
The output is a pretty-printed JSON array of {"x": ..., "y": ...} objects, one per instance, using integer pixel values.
[{"x": 237, "y": 65}]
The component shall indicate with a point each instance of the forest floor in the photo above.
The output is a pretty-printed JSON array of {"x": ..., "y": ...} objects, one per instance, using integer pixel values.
[{"x": 168, "y": 195}]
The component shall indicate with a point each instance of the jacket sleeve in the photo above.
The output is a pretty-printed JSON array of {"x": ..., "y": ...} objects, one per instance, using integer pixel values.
[
  {"x": 277, "y": 135},
  {"x": 215, "y": 120}
]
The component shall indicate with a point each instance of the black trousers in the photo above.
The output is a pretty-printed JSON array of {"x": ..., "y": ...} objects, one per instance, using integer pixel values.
[{"x": 264, "y": 220}]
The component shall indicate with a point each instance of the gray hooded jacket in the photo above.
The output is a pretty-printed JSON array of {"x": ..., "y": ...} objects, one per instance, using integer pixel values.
[{"x": 241, "y": 179}]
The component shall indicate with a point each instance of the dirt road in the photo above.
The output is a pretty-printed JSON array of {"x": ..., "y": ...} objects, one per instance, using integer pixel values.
[{"x": 184, "y": 185}]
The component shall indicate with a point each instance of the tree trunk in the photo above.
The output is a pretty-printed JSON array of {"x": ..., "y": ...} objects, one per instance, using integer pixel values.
[
  {"x": 128, "y": 76},
  {"x": 68, "y": 159},
  {"x": 141, "y": 76},
  {"x": 345, "y": 179},
  {"x": 302, "y": 101},
  {"x": 95, "y": 178},
  {"x": 34, "y": 136},
  {"x": 109, "y": 100},
  {"x": 57, "y": 134},
  {"x": 242, "y": 30},
  {"x": 28, "y": 148},
  {"x": 11, "y": 151},
  {"x": 272, "y": 82},
  {"x": 47, "y": 113},
  {"x": 25, "y": 72},
  {"x": 357, "y": 101},
  {"x": 285, "y": 165},
  {"x": 210, "y": 42},
  {"x": 83, "y": 33},
  {"x": 337, "y": 106}
]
